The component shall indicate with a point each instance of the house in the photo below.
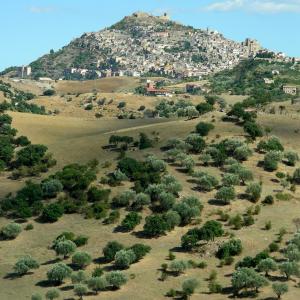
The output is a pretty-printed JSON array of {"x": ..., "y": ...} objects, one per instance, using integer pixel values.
[
  {"x": 268, "y": 81},
  {"x": 290, "y": 90},
  {"x": 151, "y": 90}
]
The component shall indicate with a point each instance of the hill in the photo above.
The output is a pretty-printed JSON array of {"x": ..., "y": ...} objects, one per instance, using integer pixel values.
[{"x": 141, "y": 44}]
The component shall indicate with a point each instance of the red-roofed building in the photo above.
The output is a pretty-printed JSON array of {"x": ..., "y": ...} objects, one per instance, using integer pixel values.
[{"x": 153, "y": 91}]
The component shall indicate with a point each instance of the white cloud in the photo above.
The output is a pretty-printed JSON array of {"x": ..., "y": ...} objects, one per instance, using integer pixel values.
[
  {"x": 41, "y": 9},
  {"x": 263, "y": 6}
]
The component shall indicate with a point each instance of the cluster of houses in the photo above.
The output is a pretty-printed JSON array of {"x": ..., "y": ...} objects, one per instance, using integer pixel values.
[{"x": 151, "y": 45}]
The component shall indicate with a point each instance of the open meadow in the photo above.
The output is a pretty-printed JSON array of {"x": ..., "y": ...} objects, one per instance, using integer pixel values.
[{"x": 80, "y": 140}]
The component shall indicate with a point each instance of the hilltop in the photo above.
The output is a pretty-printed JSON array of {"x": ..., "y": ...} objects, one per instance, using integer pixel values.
[{"x": 142, "y": 44}]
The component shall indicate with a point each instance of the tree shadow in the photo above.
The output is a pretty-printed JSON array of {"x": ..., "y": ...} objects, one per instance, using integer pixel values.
[
  {"x": 47, "y": 283},
  {"x": 66, "y": 288},
  {"x": 51, "y": 261},
  {"x": 216, "y": 202}
]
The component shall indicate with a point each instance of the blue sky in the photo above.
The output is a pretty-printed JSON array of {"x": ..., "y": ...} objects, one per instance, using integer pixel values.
[{"x": 30, "y": 28}]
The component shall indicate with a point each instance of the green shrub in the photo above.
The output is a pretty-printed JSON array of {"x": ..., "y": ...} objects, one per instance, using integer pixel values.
[
  {"x": 24, "y": 264},
  {"x": 131, "y": 220},
  {"x": 231, "y": 248},
  {"x": 58, "y": 273},
  {"x": 81, "y": 259},
  {"x": 11, "y": 231},
  {"x": 110, "y": 250},
  {"x": 52, "y": 212},
  {"x": 203, "y": 128},
  {"x": 115, "y": 279},
  {"x": 124, "y": 258}
]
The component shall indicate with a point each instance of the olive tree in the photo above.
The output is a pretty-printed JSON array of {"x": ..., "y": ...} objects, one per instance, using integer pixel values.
[
  {"x": 115, "y": 279},
  {"x": 226, "y": 194},
  {"x": 80, "y": 290},
  {"x": 124, "y": 258},
  {"x": 110, "y": 250},
  {"x": 291, "y": 158},
  {"x": 81, "y": 259},
  {"x": 52, "y": 294},
  {"x": 178, "y": 266},
  {"x": 253, "y": 191},
  {"x": 24, "y": 264},
  {"x": 58, "y": 273},
  {"x": 97, "y": 284},
  {"x": 267, "y": 265},
  {"x": 11, "y": 230},
  {"x": 289, "y": 269},
  {"x": 271, "y": 160},
  {"x": 247, "y": 278},
  {"x": 65, "y": 248},
  {"x": 280, "y": 289},
  {"x": 189, "y": 286}
]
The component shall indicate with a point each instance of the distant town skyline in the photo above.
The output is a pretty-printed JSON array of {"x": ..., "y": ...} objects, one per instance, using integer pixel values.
[{"x": 30, "y": 28}]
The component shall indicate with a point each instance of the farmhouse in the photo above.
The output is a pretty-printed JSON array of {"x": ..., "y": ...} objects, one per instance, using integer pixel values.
[
  {"x": 290, "y": 89},
  {"x": 151, "y": 90}
]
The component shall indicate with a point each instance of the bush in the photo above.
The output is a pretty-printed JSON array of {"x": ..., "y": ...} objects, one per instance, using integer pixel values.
[
  {"x": 204, "y": 128},
  {"x": 36, "y": 296},
  {"x": 124, "y": 258},
  {"x": 253, "y": 130},
  {"x": 49, "y": 92},
  {"x": 268, "y": 200},
  {"x": 52, "y": 294},
  {"x": 81, "y": 259},
  {"x": 230, "y": 179},
  {"x": 140, "y": 200},
  {"x": 80, "y": 290},
  {"x": 22, "y": 141},
  {"x": 172, "y": 219},
  {"x": 140, "y": 250},
  {"x": 51, "y": 188},
  {"x": 272, "y": 144},
  {"x": 231, "y": 248},
  {"x": 52, "y": 212},
  {"x": 58, "y": 273},
  {"x": 296, "y": 176},
  {"x": 215, "y": 287},
  {"x": 94, "y": 194},
  {"x": 226, "y": 194},
  {"x": 24, "y": 264},
  {"x": 65, "y": 248},
  {"x": 178, "y": 266},
  {"x": 81, "y": 240},
  {"x": 131, "y": 221},
  {"x": 155, "y": 225},
  {"x": 291, "y": 158},
  {"x": 11, "y": 231},
  {"x": 79, "y": 277},
  {"x": 31, "y": 155},
  {"x": 253, "y": 191},
  {"x": 124, "y": 199},
  {"x": 145, "y": 142},
  {"x": 280, "y": 289},
  {"x": 115, "y": 279},
  {"x": 271, "y": 160},
  {"x": 189, "y": 286},
  {"x": 97, "y": 284},
  {"x": 197, "y": 143},
  {"x": 110, "y": 250}
]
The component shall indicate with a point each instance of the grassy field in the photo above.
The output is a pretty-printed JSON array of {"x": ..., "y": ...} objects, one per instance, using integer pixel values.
[
  {"x": 81, "y": 139},
  {"x": 109, "y": 85}
]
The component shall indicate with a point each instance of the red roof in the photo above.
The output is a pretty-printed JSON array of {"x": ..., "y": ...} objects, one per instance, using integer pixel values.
[{"x": 151, "y": 89}]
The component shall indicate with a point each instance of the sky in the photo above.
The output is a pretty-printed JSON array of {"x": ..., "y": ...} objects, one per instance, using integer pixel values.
[{"x": 30, "y": 28}]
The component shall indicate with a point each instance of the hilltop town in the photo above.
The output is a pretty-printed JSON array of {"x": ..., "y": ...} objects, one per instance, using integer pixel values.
[{"x": 143, "y": 45}]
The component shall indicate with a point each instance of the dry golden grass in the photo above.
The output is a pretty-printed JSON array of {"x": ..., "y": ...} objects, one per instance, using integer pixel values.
[
  {"x": 109, "y": 85},
  {"x": 79, "y": 140}
]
